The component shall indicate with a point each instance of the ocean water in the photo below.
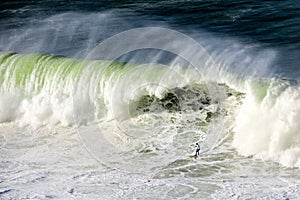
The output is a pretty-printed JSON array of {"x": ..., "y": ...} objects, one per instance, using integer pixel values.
[{"x": 105, "y": 100}]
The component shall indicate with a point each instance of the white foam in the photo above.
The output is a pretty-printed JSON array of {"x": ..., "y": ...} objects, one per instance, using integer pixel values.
[
  {"x": 270, "y": 128},
  {"x": 39, "y": 110},
  {"x": 8, "y": 107}
]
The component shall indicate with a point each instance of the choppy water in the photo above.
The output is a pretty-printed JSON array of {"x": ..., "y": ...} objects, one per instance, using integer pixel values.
[{"x": 102, "y": 100}]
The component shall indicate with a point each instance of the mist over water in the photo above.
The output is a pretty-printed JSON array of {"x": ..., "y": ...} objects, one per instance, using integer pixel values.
[{"x": 128, "y": 88}]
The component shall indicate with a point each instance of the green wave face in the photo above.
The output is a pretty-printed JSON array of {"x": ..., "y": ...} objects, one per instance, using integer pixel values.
[
  {"x": 95, "y": 86},
  {"x": 28, "y": 80},
  {"x": 33, "y": 73}
]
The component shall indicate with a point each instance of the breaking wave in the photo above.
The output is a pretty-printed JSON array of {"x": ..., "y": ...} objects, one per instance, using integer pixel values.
[{"x": 260, "y": 116}]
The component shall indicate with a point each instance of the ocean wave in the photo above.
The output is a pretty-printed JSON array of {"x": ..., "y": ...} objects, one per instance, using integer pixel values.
[{"x": 48, "y": 90}]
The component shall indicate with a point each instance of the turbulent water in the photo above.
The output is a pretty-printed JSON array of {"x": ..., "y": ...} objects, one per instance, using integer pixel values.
[{"x": 103, "y": 100}]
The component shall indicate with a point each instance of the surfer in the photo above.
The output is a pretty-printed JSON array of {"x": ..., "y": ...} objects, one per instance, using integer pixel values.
[{"x": 198, "y": 149}]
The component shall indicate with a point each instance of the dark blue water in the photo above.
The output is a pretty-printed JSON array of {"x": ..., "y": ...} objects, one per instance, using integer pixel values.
[{"x": 65, "y": 27}]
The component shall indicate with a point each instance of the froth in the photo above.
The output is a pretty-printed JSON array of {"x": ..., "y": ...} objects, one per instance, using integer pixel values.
[
  {"x": 267, "y": 125},
  {"x": 8, "y": 107},
  {"x": 39, "y": 110}
]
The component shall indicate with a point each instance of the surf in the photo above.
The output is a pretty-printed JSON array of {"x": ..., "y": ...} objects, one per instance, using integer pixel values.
[{"x": 41, "y": 90}]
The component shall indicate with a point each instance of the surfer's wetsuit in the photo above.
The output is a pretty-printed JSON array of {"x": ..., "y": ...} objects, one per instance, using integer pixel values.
[{"x": 198, "y": 149}]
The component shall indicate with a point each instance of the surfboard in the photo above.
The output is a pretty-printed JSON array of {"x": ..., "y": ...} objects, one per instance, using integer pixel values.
[{"x": 193, "y": 157}]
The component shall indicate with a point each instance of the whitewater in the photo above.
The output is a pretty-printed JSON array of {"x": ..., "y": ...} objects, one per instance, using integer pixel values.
[{"x": 118, "y": 117}]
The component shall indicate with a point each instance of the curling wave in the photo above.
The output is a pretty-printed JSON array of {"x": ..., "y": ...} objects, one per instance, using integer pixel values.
[{"x": 49, "y": 90}]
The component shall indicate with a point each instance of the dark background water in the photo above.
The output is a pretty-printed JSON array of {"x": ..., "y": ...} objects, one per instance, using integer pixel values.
[{"x": 271, "y": 24}]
